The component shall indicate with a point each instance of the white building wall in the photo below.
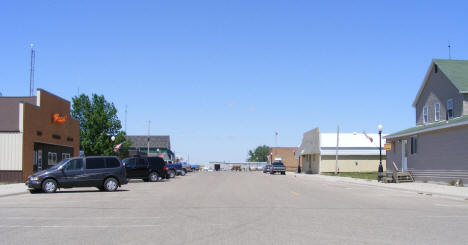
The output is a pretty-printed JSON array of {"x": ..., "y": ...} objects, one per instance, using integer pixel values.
[{"x": 11, "y": 151}]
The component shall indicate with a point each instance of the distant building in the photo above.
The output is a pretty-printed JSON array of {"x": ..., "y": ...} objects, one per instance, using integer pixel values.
[
  {"x": 285, "y": 155},
  {"x": 245, "y": 166},
  {"x": 357, "y": 152},
  {"x": 158, "y": 145},
  {"x": 36, "y": 132},
  {"x": 436, "y": 148}
]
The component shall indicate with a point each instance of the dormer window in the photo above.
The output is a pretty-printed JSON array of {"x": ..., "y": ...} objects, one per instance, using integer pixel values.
[
  {"x": 425, "y": 114},
  {"x": 449, "y": 109}
]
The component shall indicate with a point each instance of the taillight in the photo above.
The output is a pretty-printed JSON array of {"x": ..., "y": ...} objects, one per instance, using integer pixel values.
[{"x": 164, "y": 167}]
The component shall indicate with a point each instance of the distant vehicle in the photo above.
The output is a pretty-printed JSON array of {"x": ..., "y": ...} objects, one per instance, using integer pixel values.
[
  {"x": 174, "y": 169},
  {"x": 217, "y": 167},
  {"x": 277, "y": 167},
  {"x": 146, "y": 168},
  {"x": 266, "y": 168},
  {"x": 186, "y": 167},
  {"x": 104, "y": 172}
]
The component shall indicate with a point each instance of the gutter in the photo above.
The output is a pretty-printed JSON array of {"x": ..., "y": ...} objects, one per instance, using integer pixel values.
[{"x": 428, "y": 129}]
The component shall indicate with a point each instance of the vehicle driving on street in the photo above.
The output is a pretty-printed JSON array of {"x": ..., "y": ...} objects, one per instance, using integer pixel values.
[{"x": 277, "y": 167}]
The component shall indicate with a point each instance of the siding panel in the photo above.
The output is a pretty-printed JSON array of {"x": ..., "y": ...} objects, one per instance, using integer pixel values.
[{"x": 11, "y": 150}]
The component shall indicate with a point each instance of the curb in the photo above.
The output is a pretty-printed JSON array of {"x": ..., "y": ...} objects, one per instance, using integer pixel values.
[
  {"x": 13, "y": 194},
  {"x": 398, "y": 188}
]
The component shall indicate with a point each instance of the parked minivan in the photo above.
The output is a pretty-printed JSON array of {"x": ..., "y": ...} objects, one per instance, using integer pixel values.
[
  {"x": 104, "y": 172},
  {"x": 145, "y": 168}
]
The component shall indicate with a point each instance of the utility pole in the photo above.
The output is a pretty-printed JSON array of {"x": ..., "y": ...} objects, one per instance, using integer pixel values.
[
  {"x": 125, "y": 118},
  {"x": 149, "y": 126},
  {"x": 337, "y": 144},
  {"x": 449, "y": 50},
  {"x": 31, "y": 70}
]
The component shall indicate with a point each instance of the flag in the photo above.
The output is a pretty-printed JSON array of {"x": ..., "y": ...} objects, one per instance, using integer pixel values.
[
  {"x": 117, "y": 147},
  {"x": 368, "y": 137}
]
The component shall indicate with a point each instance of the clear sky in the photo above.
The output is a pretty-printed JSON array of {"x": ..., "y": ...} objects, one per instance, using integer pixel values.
[{"x": 220, "y": 77}]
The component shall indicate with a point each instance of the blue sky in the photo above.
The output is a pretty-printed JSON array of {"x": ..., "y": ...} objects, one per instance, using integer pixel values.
[{"x": 220, "y": 77}]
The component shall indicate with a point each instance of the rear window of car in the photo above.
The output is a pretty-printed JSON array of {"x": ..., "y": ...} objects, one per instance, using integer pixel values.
[
  {"x": 112, "y": 163},
  {"x": 156, "y": 160},
  {"x": 95, "y": 163},
  {"x": 277, "y": 164}
]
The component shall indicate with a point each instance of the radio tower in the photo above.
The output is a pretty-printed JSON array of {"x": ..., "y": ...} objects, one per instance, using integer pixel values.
[{"x": 31, "y": 71}]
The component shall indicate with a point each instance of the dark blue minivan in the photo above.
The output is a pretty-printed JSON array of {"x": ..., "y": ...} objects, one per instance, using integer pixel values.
[{"x": 106, "y": 173}]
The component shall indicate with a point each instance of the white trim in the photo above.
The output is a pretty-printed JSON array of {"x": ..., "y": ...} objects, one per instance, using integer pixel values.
[
  {"x": 20, "y": 119},
  {"x": 38, "y": 97},
  {"x": 428, "y": 130}
]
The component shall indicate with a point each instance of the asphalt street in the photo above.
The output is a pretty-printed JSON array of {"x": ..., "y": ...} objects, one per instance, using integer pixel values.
[{"x": 233, "y": 208}]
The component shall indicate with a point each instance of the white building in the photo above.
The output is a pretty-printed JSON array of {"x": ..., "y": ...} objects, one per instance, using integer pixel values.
[{"x": 357, "y": 152}]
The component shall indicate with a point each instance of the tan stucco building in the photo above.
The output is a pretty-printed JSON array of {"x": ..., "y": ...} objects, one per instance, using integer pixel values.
[
  {"x": 357, "y": 152},
  {"x": 36, "y": 132}
]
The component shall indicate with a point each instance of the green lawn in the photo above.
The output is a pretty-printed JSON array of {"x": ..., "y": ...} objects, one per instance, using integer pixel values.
[
  {"x": 364, "y": 175},
  {"x": 5, "y": 183}
]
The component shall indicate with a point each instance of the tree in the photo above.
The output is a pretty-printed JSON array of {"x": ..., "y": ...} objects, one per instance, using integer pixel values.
[
  {"x": 98, "y": 123},
  {"x": 260, "y": 154}
]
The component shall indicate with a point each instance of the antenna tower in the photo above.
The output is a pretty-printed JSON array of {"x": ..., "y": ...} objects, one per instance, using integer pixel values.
[
  {"x": 449, "y": 50},
  {"x": 31, "y": 71}
]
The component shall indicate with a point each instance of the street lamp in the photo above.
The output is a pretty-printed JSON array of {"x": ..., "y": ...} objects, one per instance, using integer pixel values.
[
  {"x": 113, "y": 138},
  {"x": 380, "y": 152}
]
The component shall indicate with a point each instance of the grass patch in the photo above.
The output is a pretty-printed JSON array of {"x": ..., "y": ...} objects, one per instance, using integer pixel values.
[
  {"x": 5, "y": 183},
  {"x": 362, "y": 175}
]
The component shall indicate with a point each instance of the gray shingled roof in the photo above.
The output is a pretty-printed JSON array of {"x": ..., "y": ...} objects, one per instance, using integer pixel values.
[{"x": 155, "y": 141}]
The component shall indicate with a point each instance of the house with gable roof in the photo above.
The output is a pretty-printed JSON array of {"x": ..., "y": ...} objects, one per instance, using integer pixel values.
[{"x": 436, "y": 149}]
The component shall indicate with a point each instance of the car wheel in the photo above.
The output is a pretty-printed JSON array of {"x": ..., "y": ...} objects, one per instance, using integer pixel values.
[
  {"x": 153, "y": 177},
  {"x": 183, "y": 172},
  {"x": 49, "y": 186},
  {"x": 172, "y": 174},
  {"x": 272, "y": 172},
  {"x": 111, "y": 184},
  {"x": 283, "y": 173}
]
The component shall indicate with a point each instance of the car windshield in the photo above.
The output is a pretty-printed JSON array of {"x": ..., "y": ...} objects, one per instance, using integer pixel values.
[{"x": 61, "y": 163}]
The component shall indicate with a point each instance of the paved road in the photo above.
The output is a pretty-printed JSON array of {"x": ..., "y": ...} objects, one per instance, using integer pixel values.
[{"x": 233, "y": 208}]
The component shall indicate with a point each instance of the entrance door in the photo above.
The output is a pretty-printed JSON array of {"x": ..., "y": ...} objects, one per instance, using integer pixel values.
[
  {"x": 404, "y": 158},
  {"x": 39, "y": 160}
]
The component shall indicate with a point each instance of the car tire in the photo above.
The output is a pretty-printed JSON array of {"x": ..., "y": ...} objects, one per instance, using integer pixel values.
[
  {"x": 172, "y": 174},
  {"x": 272, "y": 172},
  {"x": 283, "y": 173},
  {"x": 49, "y": 186},
  {"x": 183, "y": 172},
  {"x": 111, "y": 184},
  {"x": 153, "y": 177},
  {"x": 34, "y": 191}
]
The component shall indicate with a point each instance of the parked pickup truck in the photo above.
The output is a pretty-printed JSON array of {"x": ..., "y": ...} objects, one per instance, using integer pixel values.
[
  {"x": 277, "y": 167},
  {"x": 186, "y": 167},
  {"x": 174, "y": 169}
]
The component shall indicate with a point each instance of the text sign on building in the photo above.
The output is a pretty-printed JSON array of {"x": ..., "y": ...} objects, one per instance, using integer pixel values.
[
  {"x": 56, "y": 118},
  {"x": 388, "y": 146}
]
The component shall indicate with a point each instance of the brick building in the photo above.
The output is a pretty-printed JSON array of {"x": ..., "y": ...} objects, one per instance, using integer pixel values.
[
  {"x": 36, "y": 132},
  {"x": 287, "y": 156}
]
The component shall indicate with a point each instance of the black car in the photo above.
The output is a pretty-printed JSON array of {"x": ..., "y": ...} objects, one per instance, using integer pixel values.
[
  {"x": 145, "y": 168},
  {"x": 277, "y": 167},
  {"x": 104, "y": 172},
  {"x": 266, "y": 168}
]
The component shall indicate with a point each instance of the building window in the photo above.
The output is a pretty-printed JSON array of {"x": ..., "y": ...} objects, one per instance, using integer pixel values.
[
  {"x": 437, "y": 112},
  {"x": 414, "y": 145},
  {"x": 65, "y": 155},
  {"x": 51, "y": 158},
  {"x": 449, "y": 108},
  {"x": 425, "y": 114}
]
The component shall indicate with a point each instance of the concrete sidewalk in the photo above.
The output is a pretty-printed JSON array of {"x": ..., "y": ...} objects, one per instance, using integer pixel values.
[
  {"x": 417, "y": 187},
  {"x": 13, "y": 189}
]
